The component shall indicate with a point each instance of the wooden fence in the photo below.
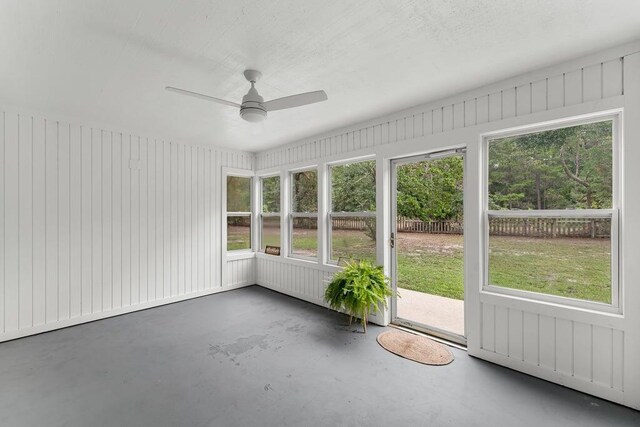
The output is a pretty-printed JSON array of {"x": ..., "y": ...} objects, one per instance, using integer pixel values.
[
  {"x": 550, "y": 227},
  {"x": 524, "y": 227},
  {"x": 432, "y": 227},
  {"x": 404, "y": 225}
]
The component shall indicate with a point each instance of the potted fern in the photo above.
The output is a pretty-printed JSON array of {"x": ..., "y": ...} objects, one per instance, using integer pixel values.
[{"x": 358, "y": 289}]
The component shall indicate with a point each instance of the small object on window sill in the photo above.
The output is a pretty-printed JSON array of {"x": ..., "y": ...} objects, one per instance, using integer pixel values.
[{"x": 272, "y": 250}]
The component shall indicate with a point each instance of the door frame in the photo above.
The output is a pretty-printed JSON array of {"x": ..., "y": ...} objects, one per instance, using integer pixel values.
[{"x": 393, "y": 164}]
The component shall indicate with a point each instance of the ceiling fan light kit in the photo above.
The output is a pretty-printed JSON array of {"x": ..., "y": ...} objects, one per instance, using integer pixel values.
[
  {"x": 253, "y": 115},
  {"x": 253, "y": 108}
]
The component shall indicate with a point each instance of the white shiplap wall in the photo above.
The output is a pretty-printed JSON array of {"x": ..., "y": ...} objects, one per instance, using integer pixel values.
[
  {"x": 95, "y": 222},
  {"x": 519, "y": 97},
  {"x": 589, "y": 351},
  {"x": 568, "y": 351},
  {"x": 240, "y": 271},
  {"x": 304, "y": 282}
]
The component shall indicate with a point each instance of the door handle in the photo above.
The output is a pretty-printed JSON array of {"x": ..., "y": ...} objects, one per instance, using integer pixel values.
[{"x": 392, "y": 240}]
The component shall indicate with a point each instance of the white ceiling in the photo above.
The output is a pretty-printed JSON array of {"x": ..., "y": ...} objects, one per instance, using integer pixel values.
[{"x": 108, "y": 61}]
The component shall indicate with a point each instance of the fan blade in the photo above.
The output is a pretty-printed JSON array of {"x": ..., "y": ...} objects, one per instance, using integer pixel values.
[
  {"x": 295, "y": 100},
  {"x": 201, "y": 96}
]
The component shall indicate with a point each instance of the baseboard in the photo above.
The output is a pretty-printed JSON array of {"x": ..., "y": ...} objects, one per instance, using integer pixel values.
[
  {"x": 562, "y": 379},
  {"x": 34, "y": 330},
  {"x": 375, "y": 319}
]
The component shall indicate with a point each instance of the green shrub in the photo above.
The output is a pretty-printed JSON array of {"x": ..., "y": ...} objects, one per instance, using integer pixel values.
[{"x": 360, "y": 288}]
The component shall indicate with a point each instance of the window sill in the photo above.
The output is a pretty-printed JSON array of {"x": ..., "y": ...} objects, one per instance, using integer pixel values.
[
  {"x": 303, "y": 259},
  {"x": 300, "y": 262},
  {"x": 548, "y": 305},
  {"x": 246, "y": 254}
]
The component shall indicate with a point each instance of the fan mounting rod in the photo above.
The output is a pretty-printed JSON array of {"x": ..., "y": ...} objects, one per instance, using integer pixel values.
[{"x": 252, "y": 75}]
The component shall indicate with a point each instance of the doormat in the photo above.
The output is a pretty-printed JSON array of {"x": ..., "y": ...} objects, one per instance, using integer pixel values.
[{"x": 415, "y": 347}]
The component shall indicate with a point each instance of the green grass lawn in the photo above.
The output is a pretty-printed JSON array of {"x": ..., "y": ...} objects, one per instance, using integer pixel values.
[
  {"x": 435, "y": 274},
  {"x": 353, "y": 244},
  {"x": 304, "y": 242},
  {"x": 271, "y": 237},
  {"x": 569, "y": 267},
  {"x": 433, "y": 263},
  {"x": 238, "y": 238}
]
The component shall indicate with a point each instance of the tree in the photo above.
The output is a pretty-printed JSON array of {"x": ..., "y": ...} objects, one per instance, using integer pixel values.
[
  {"x": 353, "y": 189},
  {"x": 305, "y": 191},
  {"x": 238, "y": 194},
  {"x": 428, "y": 190},
  {"x": 586, "y": 159},
  {"x": 431, "y": 190},
  {"x": 563, "y": 168},
  {"x": 271, "y": 194}
]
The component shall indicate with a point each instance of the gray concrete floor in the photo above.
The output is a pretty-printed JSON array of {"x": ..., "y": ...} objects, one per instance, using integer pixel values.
[{"x": 255, "y": 357}]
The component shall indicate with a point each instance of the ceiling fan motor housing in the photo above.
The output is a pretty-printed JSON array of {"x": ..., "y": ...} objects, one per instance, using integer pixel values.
[{"x": 252, "y": 109}]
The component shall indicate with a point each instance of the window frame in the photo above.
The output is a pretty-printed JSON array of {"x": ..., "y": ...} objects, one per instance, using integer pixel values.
[
  {"x": 615, "y": 116},
  {"x": 292, "y": 214},
  {"x": 239, "y": 173},
  {"x": 262, "y": 214},
  {"x": 332, "y": 214}
]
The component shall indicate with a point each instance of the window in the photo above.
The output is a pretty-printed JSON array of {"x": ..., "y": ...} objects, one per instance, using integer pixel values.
[
  {"x": 352, "y": 218},
  {"x": 304, "y": 214},
  {"x": 238, "y": 213},
  {"x": 270, "y": 212},
  {"x": 551, "y": 220}
]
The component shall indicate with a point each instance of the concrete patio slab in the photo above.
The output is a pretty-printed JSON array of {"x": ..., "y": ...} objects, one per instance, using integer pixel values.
[{"x": 432, "y": 310}]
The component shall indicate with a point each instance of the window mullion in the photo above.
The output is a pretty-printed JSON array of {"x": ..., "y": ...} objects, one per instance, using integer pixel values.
[
  {"x": 363, "y": 214},
  {"x": 567, "y": 213},
  {"x": 304, "y": 215}
]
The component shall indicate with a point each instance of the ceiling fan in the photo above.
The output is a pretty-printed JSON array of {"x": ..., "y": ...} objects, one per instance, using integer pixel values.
[{"x": 253, "y": 107}]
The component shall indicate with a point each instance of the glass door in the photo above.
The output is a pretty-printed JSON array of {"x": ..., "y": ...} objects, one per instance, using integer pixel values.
[{"x": 427, "y": 243}]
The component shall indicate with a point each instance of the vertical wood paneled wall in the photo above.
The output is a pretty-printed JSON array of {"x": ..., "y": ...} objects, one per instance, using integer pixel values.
[
  {"x": 96, "y": 222},
  {"x": 240, "y": 272},
  {"x": 589, "y": 351},
  {"x": 573, "y": 86},
  {"x": 304, "y": 282}
]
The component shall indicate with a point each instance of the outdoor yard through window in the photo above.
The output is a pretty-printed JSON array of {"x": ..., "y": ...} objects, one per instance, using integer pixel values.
[
  {"x": 238, "y": 213},
  {"x": 304, "y": 214},
  {"x": 550, "y": 212},
  {"x": 353, "y": 207},
  {"x": 270, "y": 212},
  {"x": 429, "y": 241}
]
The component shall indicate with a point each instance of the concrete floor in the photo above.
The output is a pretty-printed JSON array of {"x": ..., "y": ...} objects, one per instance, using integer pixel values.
[
  {"x": 432, "y": 310},
  {"x": 255, "y": 357}
]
